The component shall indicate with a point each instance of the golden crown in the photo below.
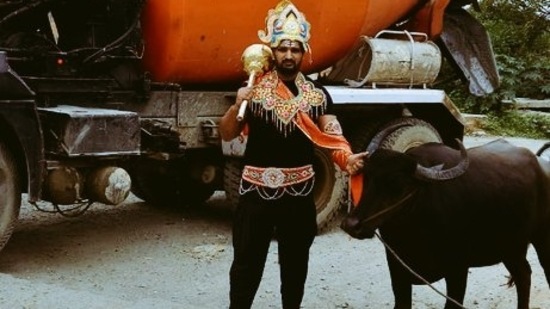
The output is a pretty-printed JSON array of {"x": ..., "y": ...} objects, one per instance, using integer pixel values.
[{"x": 285, "y": 22}]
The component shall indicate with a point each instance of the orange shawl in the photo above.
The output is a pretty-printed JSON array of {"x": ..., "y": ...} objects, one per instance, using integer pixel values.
[{"x": 339, "y": 145}]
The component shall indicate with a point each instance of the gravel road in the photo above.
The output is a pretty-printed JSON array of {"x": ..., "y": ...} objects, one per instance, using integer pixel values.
[{"x": 134, "y": 256}]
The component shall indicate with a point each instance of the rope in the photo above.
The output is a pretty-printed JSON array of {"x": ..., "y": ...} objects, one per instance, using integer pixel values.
[
  {"x": 398, "y": 203},
  {"x": 416, "y": 274}
]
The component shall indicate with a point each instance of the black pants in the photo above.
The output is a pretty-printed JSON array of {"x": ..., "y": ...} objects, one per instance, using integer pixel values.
[{"x": 293, "y": 220}]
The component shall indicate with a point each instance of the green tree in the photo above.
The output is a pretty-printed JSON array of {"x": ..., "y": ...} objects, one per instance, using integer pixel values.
[
  {"x": 520, "y": 31},
  {"x": 520, "y": 34}
]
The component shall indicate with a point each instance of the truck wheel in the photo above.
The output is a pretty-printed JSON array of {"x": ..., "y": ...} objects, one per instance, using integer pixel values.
[
  {"x": 330, "y": 190},
  {"x": 153, "y": 182},
  {"x": 417, "y": 133},
  {"x": 10, "y": 195},
  {"x": 164, "y": 184},
  {"x": 233, "y": 169}
]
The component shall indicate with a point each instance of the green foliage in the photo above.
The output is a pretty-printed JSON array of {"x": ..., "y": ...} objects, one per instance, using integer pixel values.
[
  {"x": 516, "y": 27},
  {"x": 514, "y": 123},
  {"x": 520, "y": 34}
]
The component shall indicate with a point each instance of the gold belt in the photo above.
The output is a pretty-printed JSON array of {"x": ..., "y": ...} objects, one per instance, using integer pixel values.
[{"x": 274, "y": 177}]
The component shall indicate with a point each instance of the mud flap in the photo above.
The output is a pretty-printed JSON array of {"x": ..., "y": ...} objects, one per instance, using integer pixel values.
[{"x": 465, "y": 43}]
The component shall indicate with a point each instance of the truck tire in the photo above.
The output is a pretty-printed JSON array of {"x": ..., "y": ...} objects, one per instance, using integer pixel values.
[
  {"x": 417, "y": 132},
  {"x": 10, "y": 195},
  {"x": 330, "y": 190},
  {"x": 233, "y": 169},
  {"x": 153, "y": 182},
  {"x": 163, "y": 184}
]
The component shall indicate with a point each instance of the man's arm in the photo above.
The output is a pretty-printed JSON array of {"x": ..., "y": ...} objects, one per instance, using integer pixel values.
[
  {"x": 230, "y": 127},
  {"x": 348, "y": 161}
]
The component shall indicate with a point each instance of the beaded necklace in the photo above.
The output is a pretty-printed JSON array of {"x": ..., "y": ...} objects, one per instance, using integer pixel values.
[{"x": 274, "y": 102}]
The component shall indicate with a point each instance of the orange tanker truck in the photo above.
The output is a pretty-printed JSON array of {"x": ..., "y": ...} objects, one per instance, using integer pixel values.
[{"x": 106, "y": 97}]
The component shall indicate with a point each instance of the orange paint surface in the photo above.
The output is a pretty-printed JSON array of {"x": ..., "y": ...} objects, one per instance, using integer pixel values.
[{"x": 190, "y": 41}]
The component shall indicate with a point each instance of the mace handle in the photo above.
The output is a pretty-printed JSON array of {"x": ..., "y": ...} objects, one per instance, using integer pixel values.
[{"x": 244, "y": 103}]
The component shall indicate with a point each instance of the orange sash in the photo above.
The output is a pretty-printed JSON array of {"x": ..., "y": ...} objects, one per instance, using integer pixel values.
[{"x": 334, "y": 142}]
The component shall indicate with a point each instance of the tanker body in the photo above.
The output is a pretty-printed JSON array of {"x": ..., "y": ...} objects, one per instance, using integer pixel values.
[
  {"x": 190, "y": 43},
  {"x": 102, "y": 98}
]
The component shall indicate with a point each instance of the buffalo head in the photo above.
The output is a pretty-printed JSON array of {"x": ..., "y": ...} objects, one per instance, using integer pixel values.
[{"x": 393, "y": 179}]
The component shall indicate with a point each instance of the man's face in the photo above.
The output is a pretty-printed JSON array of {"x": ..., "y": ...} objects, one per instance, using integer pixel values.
[{"x": 288, "y": 57}]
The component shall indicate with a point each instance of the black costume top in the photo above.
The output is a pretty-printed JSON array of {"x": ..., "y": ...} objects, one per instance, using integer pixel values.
[{"x": 267, "y": 146}]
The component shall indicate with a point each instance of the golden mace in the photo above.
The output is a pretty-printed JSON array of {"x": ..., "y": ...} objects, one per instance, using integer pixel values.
[{"x": 256, "y": 58}]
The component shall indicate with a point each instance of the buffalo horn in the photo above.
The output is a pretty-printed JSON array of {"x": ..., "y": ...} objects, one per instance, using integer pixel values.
[
  {"x": 436, "y": 173},
  {"x": 380, "y": 136}
]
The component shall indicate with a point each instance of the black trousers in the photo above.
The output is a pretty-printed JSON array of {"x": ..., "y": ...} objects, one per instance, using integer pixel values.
[{"x": 293, "y": 221}]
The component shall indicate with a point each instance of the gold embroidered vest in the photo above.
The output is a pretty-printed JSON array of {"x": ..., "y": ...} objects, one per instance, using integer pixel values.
[{"x": 273, "y": 101}]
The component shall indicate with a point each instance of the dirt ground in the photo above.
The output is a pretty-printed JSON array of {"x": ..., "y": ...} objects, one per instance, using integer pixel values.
[{"x": 135, "y": 256}]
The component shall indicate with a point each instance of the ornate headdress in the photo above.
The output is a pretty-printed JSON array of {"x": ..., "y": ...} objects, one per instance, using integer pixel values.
[{"x": 285, "y": 22}]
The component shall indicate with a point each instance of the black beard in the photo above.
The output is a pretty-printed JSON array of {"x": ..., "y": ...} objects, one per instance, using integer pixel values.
[{"x": 285, "y": 71}]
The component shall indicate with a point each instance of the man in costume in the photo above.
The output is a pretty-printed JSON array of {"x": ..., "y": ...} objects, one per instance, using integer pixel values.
[{"x": 282, "y": 118}]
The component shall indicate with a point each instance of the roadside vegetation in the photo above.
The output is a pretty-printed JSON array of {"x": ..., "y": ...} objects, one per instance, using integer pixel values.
[{"x": 520, "y": 33}]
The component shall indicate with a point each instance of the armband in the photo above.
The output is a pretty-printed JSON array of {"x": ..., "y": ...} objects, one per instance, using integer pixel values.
[{"x": 330, "y": 125}]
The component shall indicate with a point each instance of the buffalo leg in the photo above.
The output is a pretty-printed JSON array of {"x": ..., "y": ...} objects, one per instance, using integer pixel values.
[
  {"x": 520, "y": 270},
  {"x": 456, "y": 287},
  {"x": 542, "y": 246},
  {"x": 400, "y": 282}
]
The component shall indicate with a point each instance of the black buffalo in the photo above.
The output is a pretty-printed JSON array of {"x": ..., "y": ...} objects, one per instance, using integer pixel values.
[{"x": 442, "y": 211}]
